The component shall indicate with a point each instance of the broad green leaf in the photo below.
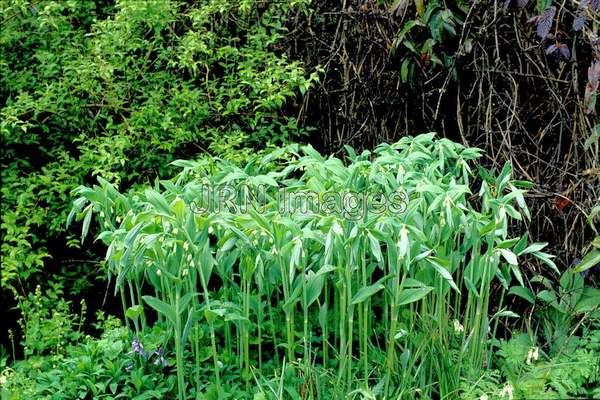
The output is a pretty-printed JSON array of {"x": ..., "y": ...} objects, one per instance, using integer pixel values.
[
  {"x": 134, "y": 312},
  {"x": 508, "y": 243},
  {"x": 517, "y": 273},
  {"x": 366, "y": 293},
  {"x": 589, "y": 301},
  {"x": 178, "y": 208},
  {"x": 591, "y": 259},
  {"x": 546, "y": 259},
  {"x": 509, "y": 256},
  {"x": 375, "y": 247},
  {"x": 314, "y": 286},
  {"x": 444, "y": 273},
  {"x": 323, "y": 315},
  {"x": 408, "y": 296},
  {"x": 163, "y": 308},
  {"x": 158, "y": 201},
  {"x": 535, "y": 247},
  {"x": 132, "y": 234},
  {"x": 185, "y": 300},
  {"x": 523, "y": 292},
  {"x": 548, "y": 297},
  {"x": 86, "y": 222},
  {"x": 212, "y": 315}
]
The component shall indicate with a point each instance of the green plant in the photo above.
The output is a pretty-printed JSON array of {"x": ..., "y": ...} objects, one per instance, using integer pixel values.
[
  {"x": 47, "y": 323},
  {"x": 121, "y": 89},
  {"x": 591, "y": 259},
  {"x": 522, "y": 370},
  {"x": 101, "y": 368},
  {"x": 561, "y": 309},
  {"x": 425, "y": 262},
  {"x": 19, "y": 260},
  {"x": 425, "y": 35},
  {"x": 532, "y": 373}
]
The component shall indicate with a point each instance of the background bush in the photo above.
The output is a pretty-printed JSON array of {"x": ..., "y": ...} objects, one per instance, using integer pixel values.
[{"x": 120, "y": 89}]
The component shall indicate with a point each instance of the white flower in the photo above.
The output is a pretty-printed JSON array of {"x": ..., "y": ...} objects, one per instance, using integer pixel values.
[
  {"x": 507, "y": 391},
  {"x": 2, "y": 380},
  {"x": 102, "y": 214},
  {"x": 401, "y": 333},
  {"x": 532, "y": 355},
  {"x": 274, "y": 251},
  {"x": 219, "y": 364},
  {"x": 175, "y": 231},
  {"x": 185, "y": 272},
  {"x": 158, "y": 272},
  {"x": 484, "y": 397},
  {"x": 458, "y": 328},
  {"x": 210, "y": 229},
  {"x": 337, "y": 229},
  {"x": 186, "y": 245}
]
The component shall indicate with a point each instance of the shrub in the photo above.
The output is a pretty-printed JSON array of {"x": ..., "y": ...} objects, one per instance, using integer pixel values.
[{"x": 120, "y": 90}]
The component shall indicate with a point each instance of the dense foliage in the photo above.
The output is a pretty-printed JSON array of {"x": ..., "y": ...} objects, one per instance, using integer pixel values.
[
  {"x": 121, "y": 90},
  {"x": 396, "y": 233},
  {"x": 231, "y": 261}
]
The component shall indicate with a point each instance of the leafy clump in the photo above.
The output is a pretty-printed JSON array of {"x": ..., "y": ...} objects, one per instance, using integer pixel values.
[
  {"x": 399, "y": 233},
  {"x": 89, "y": 368}
]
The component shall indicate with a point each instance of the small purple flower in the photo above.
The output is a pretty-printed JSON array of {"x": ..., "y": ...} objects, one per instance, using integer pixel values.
[
  {"x": 160, "y": 359},
  {"x": 129, "y": 366},
  {"x": 137, "y": 348}
]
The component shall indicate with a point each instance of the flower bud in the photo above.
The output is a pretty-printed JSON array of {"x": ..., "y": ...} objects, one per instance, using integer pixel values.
[{"x": 458, "y": 328}]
